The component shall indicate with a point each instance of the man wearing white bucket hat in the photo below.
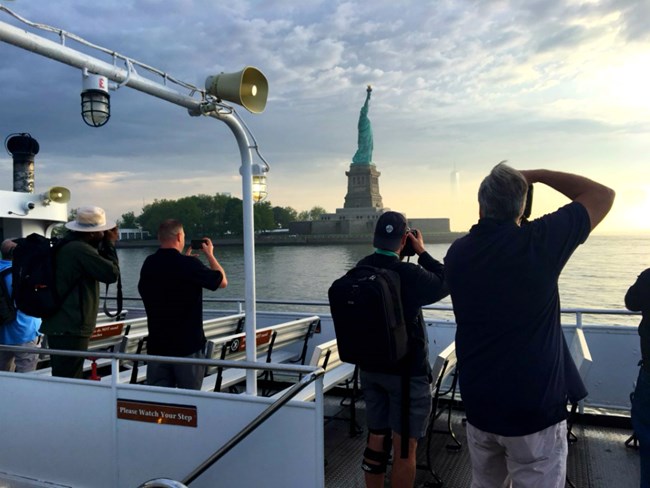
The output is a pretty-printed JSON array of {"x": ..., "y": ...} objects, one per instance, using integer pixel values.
[{"x": 84, "y": 257}]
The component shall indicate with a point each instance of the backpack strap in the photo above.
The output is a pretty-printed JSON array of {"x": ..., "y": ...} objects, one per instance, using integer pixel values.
[
  {"x": 406, "y": 413},
  {"x": 405, "y": 383}
]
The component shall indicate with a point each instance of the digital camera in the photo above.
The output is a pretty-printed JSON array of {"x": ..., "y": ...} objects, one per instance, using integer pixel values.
[{"x": 408, "y": 250}]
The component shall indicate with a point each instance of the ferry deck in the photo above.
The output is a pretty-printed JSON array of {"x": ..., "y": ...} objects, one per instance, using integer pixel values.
[{"x": 599, "y": 458}]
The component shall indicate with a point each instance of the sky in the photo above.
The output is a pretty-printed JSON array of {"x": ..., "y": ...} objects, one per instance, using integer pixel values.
[{"x": 458, "y": 85}]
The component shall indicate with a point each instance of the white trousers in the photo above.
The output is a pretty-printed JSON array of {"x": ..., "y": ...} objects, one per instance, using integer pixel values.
[{"x": 531, "y": 461}]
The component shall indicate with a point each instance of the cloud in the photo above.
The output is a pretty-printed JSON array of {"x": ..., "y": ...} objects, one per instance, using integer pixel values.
[{"x": 466, "y": 82}]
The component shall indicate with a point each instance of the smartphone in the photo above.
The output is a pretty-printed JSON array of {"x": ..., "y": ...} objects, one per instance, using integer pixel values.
[{"x": 197, "y": 243}]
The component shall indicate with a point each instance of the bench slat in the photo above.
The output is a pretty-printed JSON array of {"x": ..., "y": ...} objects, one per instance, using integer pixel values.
[
  {"x": 336, "y": 371},
  {"x": 274, "y": 337}
]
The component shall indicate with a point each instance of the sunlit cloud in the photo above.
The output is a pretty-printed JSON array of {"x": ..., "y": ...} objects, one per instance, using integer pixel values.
[{"x": 559, "y": 84}]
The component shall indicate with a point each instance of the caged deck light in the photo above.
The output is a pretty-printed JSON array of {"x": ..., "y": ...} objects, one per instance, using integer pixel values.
[
  {"x": 259, "y": 186},
  {"x": 95, "y": 100}
]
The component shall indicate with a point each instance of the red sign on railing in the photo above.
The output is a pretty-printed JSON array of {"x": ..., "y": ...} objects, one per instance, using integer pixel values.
[
  {"x": 157, "y": 413},
  {"x": 237, "y": 345},
  {"x": 107, "y": 331}
]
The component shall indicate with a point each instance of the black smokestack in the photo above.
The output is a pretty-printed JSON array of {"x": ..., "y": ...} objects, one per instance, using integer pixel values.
[{"x": 23, "y": 148}]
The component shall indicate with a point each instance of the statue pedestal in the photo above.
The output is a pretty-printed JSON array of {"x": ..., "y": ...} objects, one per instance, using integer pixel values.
[{"x": 363, "y": 187}]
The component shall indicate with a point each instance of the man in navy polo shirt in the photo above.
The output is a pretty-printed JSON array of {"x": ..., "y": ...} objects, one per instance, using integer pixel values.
[{"x": 515, "y": 370}]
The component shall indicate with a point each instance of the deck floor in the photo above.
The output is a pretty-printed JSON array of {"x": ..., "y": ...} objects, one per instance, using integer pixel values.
[{"x": 599, "y": 458}]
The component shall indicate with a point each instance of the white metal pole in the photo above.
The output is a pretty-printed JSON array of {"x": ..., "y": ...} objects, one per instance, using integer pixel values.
[{"x": 249, "y": 244}]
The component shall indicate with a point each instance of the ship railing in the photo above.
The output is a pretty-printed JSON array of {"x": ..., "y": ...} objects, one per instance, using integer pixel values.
[
  {"x": 579, "y": 314},
  {"x": 307, "y": 375}
]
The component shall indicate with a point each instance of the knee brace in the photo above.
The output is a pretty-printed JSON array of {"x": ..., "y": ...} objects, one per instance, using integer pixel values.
[{"x": 379, "y": 457}]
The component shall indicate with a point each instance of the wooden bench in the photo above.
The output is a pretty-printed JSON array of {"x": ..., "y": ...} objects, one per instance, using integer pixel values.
[
  {"x": 580, "y": 353},
  {"x": 326, "y": 356},
  {"x": 445, "y": 379},
  {"x": 136, "y": 343},
  {"x": 106, "y": 337},
  {"x": 271, "y": 345},
  {"x": 337, "y": 372},
  {"x": 579, "y": 350},
  {"x": 102, "y": 318}
]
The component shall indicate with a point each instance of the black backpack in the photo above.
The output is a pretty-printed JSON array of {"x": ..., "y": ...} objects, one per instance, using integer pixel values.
[
  {"x": 7, "y": 306},
  {"x": 368, "y": 318},
  {"x": 33, "y": 276}
]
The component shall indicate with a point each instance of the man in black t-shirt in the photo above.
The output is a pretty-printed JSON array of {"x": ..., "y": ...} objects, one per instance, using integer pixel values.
[
  {"x": 420, "y": 284},
  {"x": 171, "y": 286}
]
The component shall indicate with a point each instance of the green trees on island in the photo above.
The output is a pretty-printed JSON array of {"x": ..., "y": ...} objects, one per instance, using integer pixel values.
[
  {"x": 313, "y": 214},
  {"x": 129, "y": 221},
  {"x": 214, "y": 215}
]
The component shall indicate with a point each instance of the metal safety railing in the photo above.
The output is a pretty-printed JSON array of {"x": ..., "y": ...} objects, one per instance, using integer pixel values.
[{"x": 578, "y": 313}]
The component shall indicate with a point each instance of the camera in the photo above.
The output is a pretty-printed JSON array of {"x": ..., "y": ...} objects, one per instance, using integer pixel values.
[
  {"x": 408, "y": 250},
  {"x": 197, "y": 243},
  {"x": 529, "y": 205}
]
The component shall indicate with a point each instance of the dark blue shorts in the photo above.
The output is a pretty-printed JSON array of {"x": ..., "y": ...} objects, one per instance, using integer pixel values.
[{"x": 383, "y": 396}]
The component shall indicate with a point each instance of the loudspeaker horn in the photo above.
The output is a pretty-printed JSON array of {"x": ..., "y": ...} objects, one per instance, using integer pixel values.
[
  {"x": 248, "y": 88},
  {"x": 56, "y": 194}
]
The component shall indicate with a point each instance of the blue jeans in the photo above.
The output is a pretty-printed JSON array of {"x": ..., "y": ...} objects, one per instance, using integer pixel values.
[{"x": 641, "y": 422}]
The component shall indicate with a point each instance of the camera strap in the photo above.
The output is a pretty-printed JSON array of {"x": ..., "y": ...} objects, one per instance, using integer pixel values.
[{"x": 119, "y": 298}]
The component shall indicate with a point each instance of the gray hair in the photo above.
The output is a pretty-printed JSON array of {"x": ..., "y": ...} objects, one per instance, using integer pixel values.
[
  {"x": 169, "y": 229},
  {"x": 502, "y": 193}
]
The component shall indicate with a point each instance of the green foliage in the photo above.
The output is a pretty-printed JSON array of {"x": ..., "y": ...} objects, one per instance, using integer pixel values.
[
  {"x": 214, "y": 215},
  {"x": 316, "y": 212},
  {"x": 60, "y": 230},
  {"x": 128, "y": 221},
  {"x": 263, "y": 216},
  {"x": 313, "y": 214},
  {"x": 284, "y": 215}
]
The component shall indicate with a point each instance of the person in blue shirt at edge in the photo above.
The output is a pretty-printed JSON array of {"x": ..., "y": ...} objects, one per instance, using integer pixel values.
[
  {"x": 637, "y": 299},
  {"x": 23, "y": 331},
  {"x": 420, "y": 284},
  {"x": 515, "y": 371}
]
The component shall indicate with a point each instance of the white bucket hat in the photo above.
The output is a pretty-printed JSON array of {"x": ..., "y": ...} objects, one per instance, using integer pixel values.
[{"x": 90, "y": 219}]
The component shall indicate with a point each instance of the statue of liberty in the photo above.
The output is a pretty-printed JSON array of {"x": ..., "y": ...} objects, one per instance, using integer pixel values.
[{"x": 364, "y": 151}]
